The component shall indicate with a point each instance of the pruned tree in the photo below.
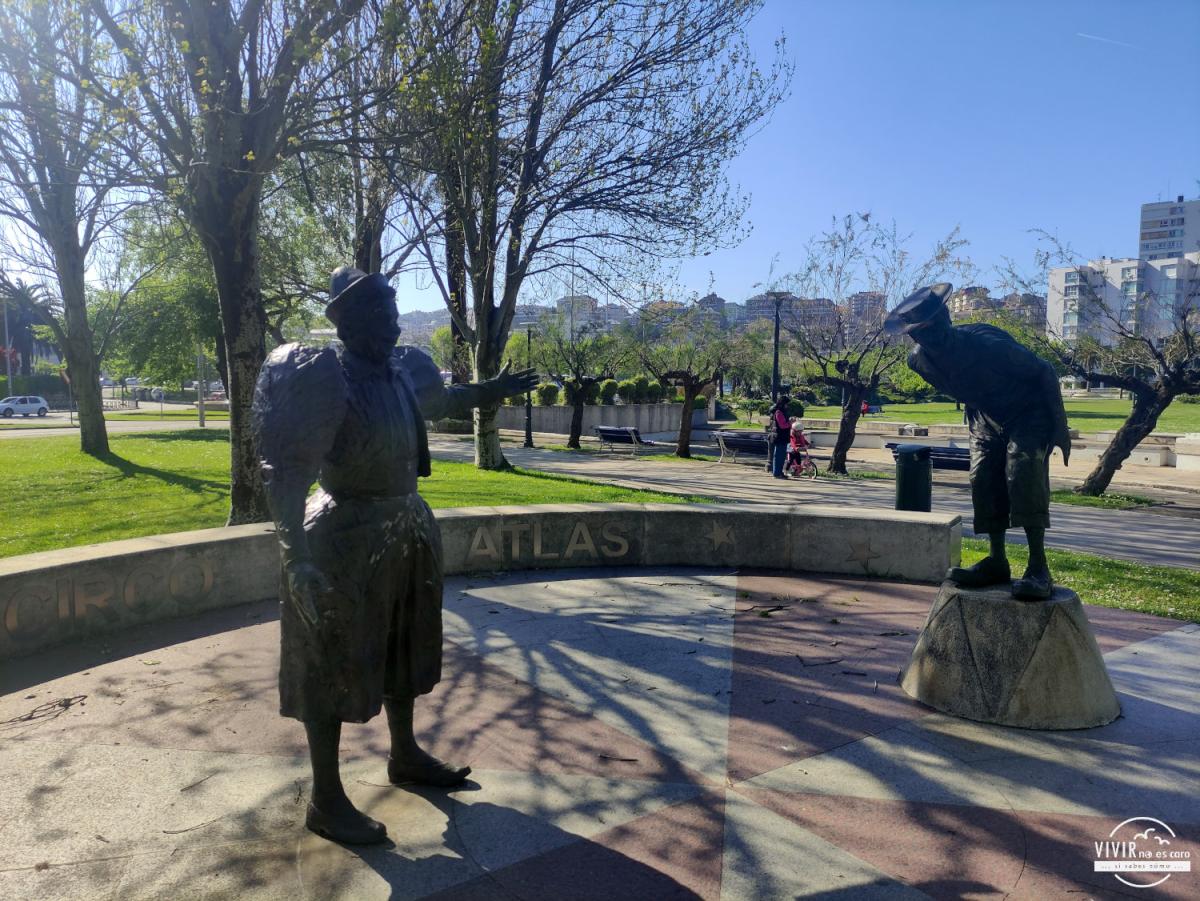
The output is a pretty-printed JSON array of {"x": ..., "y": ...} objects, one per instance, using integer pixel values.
[
  {"x": 579, "y": 133},
  {"x": 847, "y": 350},
  {"x": 223, "y": 92},
  {"x": 63, "y": 184},
  {"x": 1148, "y": 345},
  {"x": 581, "y": 359},
  {"x": 690, "y": 353}
]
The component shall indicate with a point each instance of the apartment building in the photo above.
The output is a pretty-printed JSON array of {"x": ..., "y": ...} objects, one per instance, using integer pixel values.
[
  {"x": 973, "y": 301},
  {"x": 1169, "y": 228},
  {"x": 1105, "y": 297}
]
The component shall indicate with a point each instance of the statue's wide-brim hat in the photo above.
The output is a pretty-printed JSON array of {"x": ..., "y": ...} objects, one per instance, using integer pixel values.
[
  {"x": 348, "y": 286},
  {"x": 917, "y": 309}
]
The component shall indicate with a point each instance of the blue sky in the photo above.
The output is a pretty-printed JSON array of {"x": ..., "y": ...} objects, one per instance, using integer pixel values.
[{"x": 996, "y": 116}]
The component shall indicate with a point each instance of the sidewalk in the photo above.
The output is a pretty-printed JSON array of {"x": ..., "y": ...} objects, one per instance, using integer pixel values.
[
  {"x": 633, "y": 734},
  {"x": 1123, "y": 534}
]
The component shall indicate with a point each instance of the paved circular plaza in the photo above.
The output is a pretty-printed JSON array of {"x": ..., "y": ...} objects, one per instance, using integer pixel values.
[{"x": 641, "y": 734}]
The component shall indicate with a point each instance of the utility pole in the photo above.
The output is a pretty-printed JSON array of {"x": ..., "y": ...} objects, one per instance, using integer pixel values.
[
  {"x": 8, "y": 386},
  {"x": 777, "y": 297},
  {"x": 528, "y": 394},
  {"x": 200, "y": 382}
]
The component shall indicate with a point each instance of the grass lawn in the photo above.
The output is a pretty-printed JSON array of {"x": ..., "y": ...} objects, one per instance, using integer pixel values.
[
  {"x": 175, "y": 481},
  {"x": 1160, "y": 590},
  {"x": 1085, "y": 414},
  {"x": 1108, "y": 501}
]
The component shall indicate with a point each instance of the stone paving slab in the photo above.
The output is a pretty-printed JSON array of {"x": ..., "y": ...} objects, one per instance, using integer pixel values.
[{"x": 635, "y": 733}]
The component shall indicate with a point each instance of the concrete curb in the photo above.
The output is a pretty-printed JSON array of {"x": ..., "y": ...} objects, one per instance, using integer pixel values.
[{"x": 65, "y": 595}]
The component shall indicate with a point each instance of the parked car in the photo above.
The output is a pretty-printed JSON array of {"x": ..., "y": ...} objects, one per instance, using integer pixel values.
[{"x": 26, "y": 406}]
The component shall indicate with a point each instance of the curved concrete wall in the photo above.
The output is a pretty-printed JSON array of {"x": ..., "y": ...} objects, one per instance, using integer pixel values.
[
  {"x": 646, "y": 418},
  {"x": 52, "y": 597}
]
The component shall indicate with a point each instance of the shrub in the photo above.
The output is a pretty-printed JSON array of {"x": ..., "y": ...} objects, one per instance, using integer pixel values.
[
  {"x": 627, "y": 391},
  {"x": 608, "y": 391},
  {"x": 571, "y": 393},
  {"x": 754, "y": 406},
  {"x": 546, "y": 394},
  {"x": 699, "y": 402},
  {"x": 43, "y": 385},
  {"x": 641, "y": 390},
  {"x": 654, "y": 392},
  {"x": 795, "y": 408}
]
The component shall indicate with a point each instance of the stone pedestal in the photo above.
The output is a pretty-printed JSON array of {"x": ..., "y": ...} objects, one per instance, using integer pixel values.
[{"x": 986, "y": 656}]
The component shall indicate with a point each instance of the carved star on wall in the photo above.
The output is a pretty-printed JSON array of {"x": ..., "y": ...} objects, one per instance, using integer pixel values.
[
  {"x": 721, "y": 535},
  {"x": 860, "y": 552}
]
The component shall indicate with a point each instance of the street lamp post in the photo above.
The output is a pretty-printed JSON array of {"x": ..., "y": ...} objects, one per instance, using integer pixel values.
[
  {"x": 8, "y": 385},
  {"x": 528, "y": 395},
  {"x": 777, "y": 297}
]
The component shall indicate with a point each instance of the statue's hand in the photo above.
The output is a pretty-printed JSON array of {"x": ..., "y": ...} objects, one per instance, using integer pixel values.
[
  {"x": 306, "y": 586},
  {"x": 509, "y": 384}
]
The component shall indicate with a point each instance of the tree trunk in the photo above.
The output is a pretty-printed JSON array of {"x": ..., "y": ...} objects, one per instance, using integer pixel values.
[
  {"x": 368, "y": 232},
  {"x": 683, "y": 447},
  {"x": 1140, "y": 423},
  {"x": 82, "y": 366},
  {"x": 851, "y": 411},
  {"x": 232, "y": 245},
  {"x": 456, "y": 283},
  {"x": 576, "y": 424},
  {"x": 488, "y": 454}
]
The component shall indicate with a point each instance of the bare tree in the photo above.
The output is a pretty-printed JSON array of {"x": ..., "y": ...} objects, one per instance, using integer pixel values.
[
  {"x": 848, "y": 347},
  {"x": 223, "y": 91},
  {"x": 690, "y": 351},
  {"x": 1148, "y": 345},
  {"x": 60, "y": 185},
  {"x": 578, "y": 133},
  {"x": 581, "y": 359}
]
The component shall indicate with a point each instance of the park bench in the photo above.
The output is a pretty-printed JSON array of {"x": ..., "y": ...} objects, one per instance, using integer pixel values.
[
  {"x": 942, "y": 457},
  {"x": 610, "y": 436},
  {"x": 752, "y": 444}
]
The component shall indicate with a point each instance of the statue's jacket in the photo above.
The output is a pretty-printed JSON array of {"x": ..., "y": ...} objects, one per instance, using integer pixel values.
[
  {"x": 356, "y": 428},
  {"x": 994, "y": 375}
]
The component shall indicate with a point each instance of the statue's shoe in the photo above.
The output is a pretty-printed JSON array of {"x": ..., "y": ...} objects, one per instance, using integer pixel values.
[
  {"x": 439, "y": 774},
  {"x": 988, "y": 571},
  {"x": 1033, "y": 586},
  {"x": 352, "y": 828}
]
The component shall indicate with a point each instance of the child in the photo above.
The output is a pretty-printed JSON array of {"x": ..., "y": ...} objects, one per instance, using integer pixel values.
[{"x": 799, "y": 445}]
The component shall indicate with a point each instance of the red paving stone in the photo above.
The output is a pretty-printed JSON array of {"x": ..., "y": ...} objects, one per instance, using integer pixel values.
[
  {"x": 673, "y": 853},
  {"x": 821, "y": 672},
  {"x": 954, "y": 851}
]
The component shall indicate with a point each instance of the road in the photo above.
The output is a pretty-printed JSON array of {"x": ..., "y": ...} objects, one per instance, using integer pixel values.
[
  {"x": 115, "y": 427},
  {"x": 1124, "y": 534}
]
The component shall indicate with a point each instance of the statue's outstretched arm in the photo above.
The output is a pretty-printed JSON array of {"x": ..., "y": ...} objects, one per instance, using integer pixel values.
[{"x": 457, "y": 401}]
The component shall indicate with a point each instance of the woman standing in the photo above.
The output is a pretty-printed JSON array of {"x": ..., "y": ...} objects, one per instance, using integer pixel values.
[{"x": 782, "y": 430}]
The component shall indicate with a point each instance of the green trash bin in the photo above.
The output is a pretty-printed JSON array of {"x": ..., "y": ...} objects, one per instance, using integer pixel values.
[{"x": 914, "y": 478}]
